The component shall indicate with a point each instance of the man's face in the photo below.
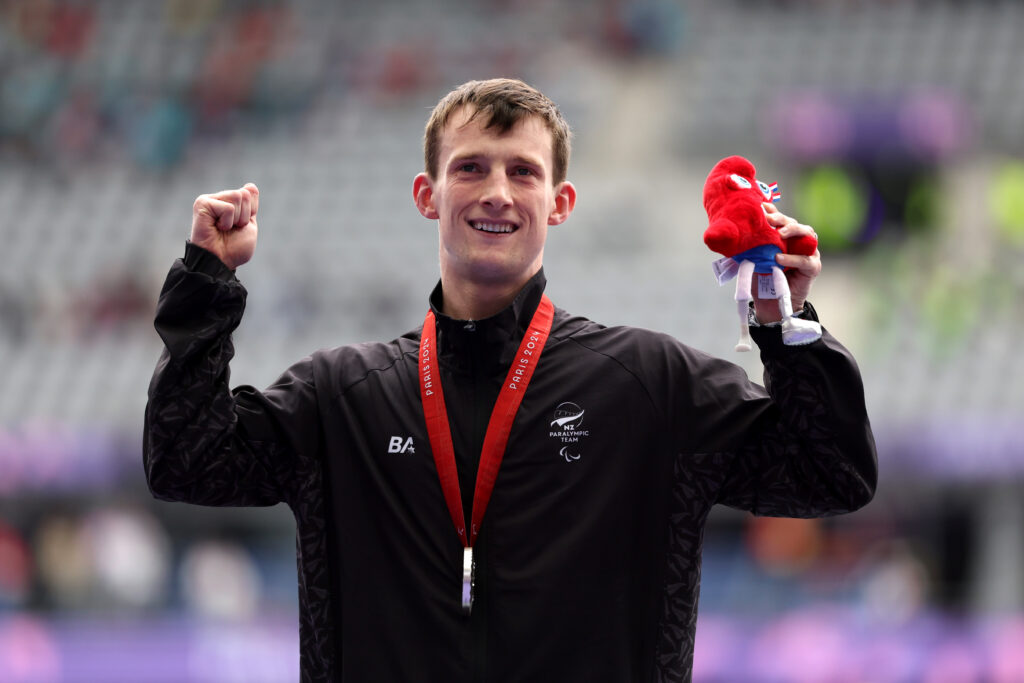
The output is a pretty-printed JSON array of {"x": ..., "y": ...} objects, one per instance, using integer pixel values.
[{"x": 493, "y": 199}]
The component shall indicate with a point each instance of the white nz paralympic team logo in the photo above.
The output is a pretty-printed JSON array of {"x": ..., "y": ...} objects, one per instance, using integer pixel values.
[{"x": 567, "y": 427}]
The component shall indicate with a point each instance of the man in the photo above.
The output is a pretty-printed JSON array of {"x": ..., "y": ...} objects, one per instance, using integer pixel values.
[{"x": 509, "y": 493}]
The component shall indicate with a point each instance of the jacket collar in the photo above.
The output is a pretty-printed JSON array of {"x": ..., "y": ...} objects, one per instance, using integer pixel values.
[{"x": 492, "y": 342}]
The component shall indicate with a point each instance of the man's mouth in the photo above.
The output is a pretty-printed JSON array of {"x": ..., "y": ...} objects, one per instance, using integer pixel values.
[{"x": 493, "y": 226}]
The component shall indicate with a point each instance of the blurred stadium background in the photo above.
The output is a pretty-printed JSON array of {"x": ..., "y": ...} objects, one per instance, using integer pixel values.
[{"x": 895, "y": 127}]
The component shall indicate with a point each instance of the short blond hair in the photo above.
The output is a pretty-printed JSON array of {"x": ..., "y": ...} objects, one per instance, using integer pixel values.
[{"x": 504, "y": 102}]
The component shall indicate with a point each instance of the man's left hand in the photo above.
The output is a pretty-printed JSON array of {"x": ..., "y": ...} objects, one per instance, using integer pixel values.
[{"x": 803, "y": 269}]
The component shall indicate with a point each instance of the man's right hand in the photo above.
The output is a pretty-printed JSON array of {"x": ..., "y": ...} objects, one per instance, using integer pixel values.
[{"x": 225, "y": 223}]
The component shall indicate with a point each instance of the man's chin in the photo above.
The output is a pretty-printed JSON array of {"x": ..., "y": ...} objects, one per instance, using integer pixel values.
[{"x": 499, "y": 274}]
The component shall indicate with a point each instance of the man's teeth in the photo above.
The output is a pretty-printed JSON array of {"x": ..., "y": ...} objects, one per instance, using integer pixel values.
[{"x": 494, "y": 227}]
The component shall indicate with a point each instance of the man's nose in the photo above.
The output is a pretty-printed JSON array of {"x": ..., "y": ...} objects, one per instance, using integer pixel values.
[{"x": 497, "y": 192}]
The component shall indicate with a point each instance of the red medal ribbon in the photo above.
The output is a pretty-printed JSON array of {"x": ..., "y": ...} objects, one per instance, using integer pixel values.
[{"x": 498, "y": 428}]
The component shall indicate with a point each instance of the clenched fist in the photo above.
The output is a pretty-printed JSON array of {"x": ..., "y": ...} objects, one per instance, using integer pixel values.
[{"x": 225, "y": 223}]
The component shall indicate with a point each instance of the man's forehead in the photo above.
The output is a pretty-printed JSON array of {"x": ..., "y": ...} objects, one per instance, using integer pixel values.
[{"x": 462, "y": 120}]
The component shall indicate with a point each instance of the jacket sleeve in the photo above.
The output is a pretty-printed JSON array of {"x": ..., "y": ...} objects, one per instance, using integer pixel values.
[
  {"x": 801, "y": 446},
  {"x": 204, "y": 443},
  {"x": 811, "y": 451}
]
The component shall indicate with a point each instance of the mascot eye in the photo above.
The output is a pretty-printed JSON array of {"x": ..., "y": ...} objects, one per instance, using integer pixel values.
[
  {"x": 740, "y": 181},
  {"x": 765, "y": 190}
]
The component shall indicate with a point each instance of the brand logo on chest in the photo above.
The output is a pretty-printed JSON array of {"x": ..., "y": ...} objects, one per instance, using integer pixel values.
[
  {"x": 567, "y": 429},
  {"x": 399, "y": 444}
]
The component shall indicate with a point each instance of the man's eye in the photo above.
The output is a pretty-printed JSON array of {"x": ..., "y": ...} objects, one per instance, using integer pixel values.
[
  {"x": 467, "y": 168},
  {"x": 523, "y": 171}
]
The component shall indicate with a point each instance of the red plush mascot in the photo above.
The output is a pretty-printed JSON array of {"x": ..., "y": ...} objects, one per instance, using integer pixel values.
[{"x": 738, "y": 229}]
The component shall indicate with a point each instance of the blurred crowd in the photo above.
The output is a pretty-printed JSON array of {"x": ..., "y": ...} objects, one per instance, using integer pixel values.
[{"x": 90, "y": 80}]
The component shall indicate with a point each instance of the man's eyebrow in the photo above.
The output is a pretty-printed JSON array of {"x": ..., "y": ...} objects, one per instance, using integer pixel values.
[
  {"x": 529, "y": 161},
  {"x": 469, "y": 155}
]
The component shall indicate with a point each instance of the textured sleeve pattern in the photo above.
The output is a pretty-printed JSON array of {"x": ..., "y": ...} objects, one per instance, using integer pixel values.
[
  {"x": 207, "y": 444},
  {"x": 203, "y": 442},
  {"x": 813, "y": 453}
]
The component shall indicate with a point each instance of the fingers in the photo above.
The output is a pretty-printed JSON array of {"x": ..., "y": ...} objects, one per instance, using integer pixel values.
[
  {"x": 807, "y": 265},
  {"x": 216, "y": 212},
  {"x": 243, "y": 208},
  {"x": 786, "y": 225},
  {"x": 795, "y": 229},
  {"x": 229, "y": 209},
  {"x": 237, "y": 206},
  {"x": 803, "y": 269},
  {"x": 254, "y": 193}
]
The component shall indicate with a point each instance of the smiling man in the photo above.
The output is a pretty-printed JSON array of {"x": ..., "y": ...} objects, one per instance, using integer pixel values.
[
  {"x": 494, "y": 183},
  {"x": 509, "y": 492}
]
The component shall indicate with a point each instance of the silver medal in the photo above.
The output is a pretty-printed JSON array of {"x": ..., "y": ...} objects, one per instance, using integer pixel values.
[{"x": 468, "y": 576}]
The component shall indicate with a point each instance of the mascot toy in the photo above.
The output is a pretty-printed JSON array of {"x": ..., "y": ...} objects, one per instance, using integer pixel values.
[{"x": 738, "y": 229}]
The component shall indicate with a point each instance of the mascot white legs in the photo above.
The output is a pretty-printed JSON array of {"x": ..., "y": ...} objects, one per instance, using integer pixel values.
[{"x": 795, "y": 331}]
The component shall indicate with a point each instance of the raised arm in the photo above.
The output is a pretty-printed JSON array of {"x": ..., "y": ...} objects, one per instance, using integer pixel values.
[
  {"x": 203, "y": 442},
  {"x": 804, "y": 450},
  {"x": 811, "y": 453}
]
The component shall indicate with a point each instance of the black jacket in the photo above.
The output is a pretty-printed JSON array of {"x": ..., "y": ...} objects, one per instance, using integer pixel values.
[{"x": 588, "y": 561}]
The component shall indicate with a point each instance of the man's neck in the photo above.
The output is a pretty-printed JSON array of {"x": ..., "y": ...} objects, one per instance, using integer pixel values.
[{"x": 477, "y": 301}]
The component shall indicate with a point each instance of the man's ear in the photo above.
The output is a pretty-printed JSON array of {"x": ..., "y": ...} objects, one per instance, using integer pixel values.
[
  {"x": 565, "y": 202},
  {"x": 423, "y": 195}
]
